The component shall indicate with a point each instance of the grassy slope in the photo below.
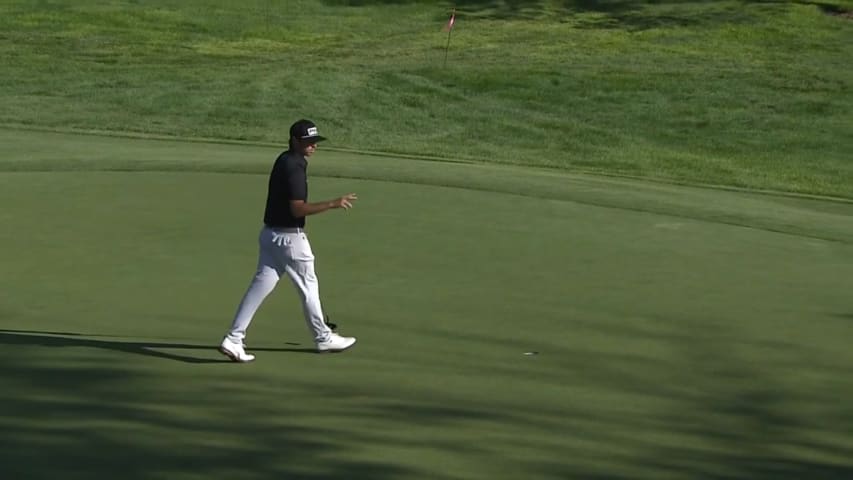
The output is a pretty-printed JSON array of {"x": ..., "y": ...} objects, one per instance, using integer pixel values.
[
  {"x": 734, "y": 93},
  {"x": 671, "y": 343},
  {"x": 22, "y": 151}
]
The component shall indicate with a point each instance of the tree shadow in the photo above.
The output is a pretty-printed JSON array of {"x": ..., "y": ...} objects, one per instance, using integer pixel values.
[
  {"x": 509, "y": 9},
  {"x": 727, "y": 415},
  {"x": 736, "y": 419},
  {"x": 150, "y": 349},
  {"x": 633, "y": 15}
]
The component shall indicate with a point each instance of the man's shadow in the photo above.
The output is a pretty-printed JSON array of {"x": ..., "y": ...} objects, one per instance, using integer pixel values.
[{"x": 151, "y": 349}]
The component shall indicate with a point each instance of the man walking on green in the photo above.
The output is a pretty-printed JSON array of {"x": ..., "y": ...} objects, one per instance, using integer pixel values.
[{"x": 284, "y": 247}]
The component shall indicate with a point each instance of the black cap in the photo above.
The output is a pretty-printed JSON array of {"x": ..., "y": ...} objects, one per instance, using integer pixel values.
[{"x": 305, "y": 130}]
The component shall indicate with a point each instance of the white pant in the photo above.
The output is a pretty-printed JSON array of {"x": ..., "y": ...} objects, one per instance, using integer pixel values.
[{"x": 282, "y": 251}]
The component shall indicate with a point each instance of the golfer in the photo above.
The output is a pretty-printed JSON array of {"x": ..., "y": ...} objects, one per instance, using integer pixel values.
[{"x": 284, "y": 247}]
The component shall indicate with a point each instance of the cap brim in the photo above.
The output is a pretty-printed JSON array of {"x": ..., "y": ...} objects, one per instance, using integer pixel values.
[{"x": 316, "y": 139}]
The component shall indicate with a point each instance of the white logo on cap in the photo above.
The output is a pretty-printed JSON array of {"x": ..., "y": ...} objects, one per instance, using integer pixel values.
[{"x": 312, "y": 132}]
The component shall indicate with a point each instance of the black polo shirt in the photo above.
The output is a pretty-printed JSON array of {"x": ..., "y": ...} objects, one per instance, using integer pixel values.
[{"x": 288, "y": 181}]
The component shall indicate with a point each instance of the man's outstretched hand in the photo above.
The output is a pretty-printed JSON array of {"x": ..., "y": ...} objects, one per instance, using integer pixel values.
[{"x": 345, "y": 202}]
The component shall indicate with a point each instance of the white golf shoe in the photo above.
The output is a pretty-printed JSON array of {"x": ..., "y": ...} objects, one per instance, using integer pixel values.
[
  {"x": 335, "y": 343},
  {"x": 235, "y": 351}
]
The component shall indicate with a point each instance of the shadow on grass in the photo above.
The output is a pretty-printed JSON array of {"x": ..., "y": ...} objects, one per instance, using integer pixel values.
[
  {"x": 715, "y": 406},
  {"x": 621, "y": 14},
  {"x": 150, "y": 349},
  {"x": 86, "y": 419},
  {"x": 703, "y": 411}
]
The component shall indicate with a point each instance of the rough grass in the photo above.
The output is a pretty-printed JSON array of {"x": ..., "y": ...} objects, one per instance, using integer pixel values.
[{"x": 748, "y": 94}]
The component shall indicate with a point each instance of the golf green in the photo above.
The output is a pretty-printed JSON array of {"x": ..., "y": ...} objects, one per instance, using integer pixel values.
[{"x": 678, "y": 332}]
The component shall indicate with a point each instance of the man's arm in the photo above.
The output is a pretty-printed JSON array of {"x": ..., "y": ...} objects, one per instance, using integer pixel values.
[{"x": 300, "y": 208}]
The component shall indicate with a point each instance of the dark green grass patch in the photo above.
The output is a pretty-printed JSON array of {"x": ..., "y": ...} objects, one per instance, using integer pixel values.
[{"x": 670, "y": 342}]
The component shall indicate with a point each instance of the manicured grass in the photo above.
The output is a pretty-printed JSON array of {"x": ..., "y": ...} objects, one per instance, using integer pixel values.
[
  {"x": 671, "y": 342},
  {"x": 748, "y": 94},
  {"x": 679, "y": 333}
]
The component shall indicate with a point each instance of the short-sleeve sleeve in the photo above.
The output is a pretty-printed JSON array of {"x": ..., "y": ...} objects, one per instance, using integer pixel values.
[{"x": 297, "y": 183}]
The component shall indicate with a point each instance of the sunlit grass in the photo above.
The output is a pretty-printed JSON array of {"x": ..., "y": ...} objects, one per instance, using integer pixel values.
[{"x": 747, "y": 94}]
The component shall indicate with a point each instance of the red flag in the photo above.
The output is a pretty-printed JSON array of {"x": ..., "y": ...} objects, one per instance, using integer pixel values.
[{"x": 450, "y": 22}]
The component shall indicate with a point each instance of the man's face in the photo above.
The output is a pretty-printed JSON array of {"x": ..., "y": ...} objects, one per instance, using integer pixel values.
[{"x": 306, "y": 147}]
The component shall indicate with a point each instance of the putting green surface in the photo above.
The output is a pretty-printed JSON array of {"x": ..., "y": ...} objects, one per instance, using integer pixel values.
[{"x": 679, "y": 332}]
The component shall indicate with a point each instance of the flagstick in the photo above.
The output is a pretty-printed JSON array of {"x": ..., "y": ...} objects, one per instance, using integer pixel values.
[
  {"x": 446, "y": 48},
  {"x": 449, "y": 32}
]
